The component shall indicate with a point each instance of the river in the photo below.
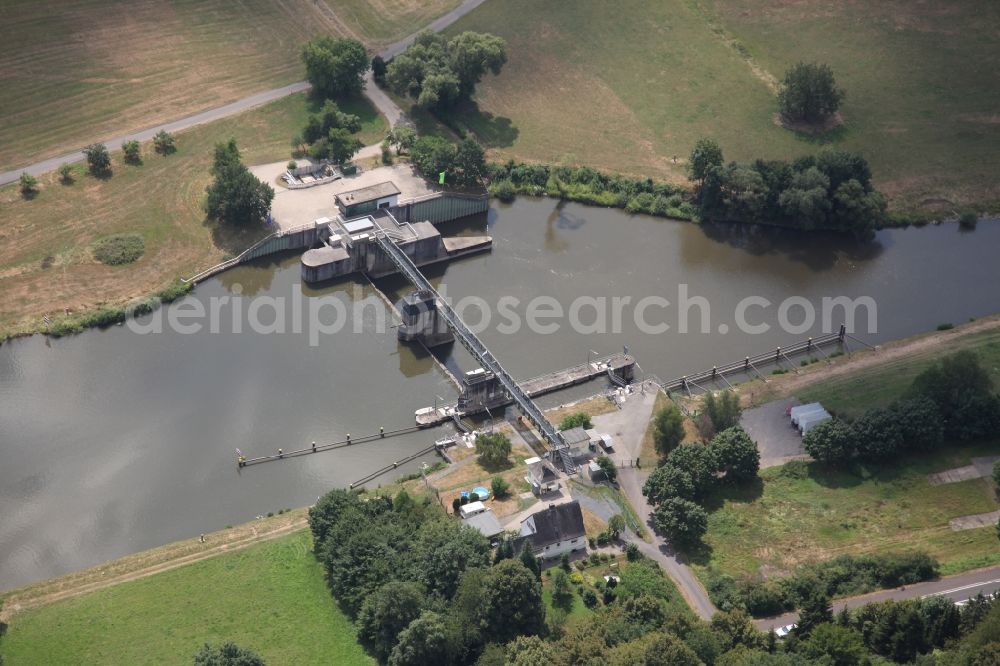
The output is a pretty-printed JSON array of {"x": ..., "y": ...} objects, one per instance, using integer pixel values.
[{"x": 114, "y": 441}]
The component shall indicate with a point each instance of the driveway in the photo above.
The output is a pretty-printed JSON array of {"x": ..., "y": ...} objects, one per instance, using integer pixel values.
[{"x": 777, "y": 441}]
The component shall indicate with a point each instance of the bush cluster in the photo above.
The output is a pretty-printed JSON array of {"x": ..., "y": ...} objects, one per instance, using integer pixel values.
[
  {"x": 108, "y": 316},
  {"x": 846, "y": 575},
  {"x": 119, "y": 249},
  {"x": 952, "y": 399},
  {"x": 589, "y": 186}
]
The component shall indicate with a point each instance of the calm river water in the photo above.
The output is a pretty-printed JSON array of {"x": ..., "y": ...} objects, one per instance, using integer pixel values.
[{"x": 112, "y": 441}]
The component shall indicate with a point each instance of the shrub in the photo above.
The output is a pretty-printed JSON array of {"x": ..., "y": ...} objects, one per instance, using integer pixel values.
[
  {"x": 589, "y": 598},
  {"x": 163, "y": 143},
  {"x": 632, "y": 553},
  {"x": 292, "y": 164},
  {"x": 473, "y": 497},
  {"x": 98, "y": 159},
  {"x": 119, "y": 249},
  {"x": 503, "y": 190},
  {"x": 576, "y": 420},
  {"x": 603, "y": 539},
  {"x": 132, "y": 152},
  {"x": 500, "y": 488},
  {"x": 968, "y": 220},
  {"x": 28, "y": 185}
]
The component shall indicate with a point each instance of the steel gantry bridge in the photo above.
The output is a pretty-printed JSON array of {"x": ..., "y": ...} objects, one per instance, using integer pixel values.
[{"x": 475, "y": 346}]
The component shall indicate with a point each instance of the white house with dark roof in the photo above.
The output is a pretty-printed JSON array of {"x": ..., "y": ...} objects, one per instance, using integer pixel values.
[
  {"x": 553, "y": 531},
  {"x": 541, "y": 476}
]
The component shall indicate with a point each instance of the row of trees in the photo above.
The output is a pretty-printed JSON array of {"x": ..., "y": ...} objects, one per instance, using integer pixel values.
[
  {"x": 236, "y": 196},
  {"x": 439, "y": 73},
  {"x": 99, "y": 161},
  {"x": 832, "y": 190},
  {"x": 690, "y": 473},
  {"x": 953, "y": 399}
]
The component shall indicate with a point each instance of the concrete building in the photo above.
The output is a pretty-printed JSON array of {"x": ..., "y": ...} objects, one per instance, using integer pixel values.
[
  {"x": 553, "y": 531},
  {"x": 541, "y": 476},
  {"x": 577, "y": 441},
  {"x": 367, "y": 199}
]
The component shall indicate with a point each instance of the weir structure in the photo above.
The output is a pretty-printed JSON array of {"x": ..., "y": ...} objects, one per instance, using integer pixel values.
[{"x": 474, "y": 345}]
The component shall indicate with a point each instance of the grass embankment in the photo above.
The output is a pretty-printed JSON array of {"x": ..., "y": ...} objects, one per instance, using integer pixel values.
[
  {"x": 801, "y": 513},
  {"x": 80, "y": 71},
  {"x": 270, "y": 597},
  {"x": 46, "y": 263},
  {"x": 625, "y": 87}
]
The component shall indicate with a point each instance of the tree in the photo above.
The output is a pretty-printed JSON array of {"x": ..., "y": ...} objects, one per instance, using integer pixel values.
[
  {"x": 562, "y": 593},
  {"x": 511, "y": 602},
  {"x": 576, "y": 420},
  {"x": 98, "y": 159},
  {"x": 668, "y": 650},
  {"x": 163, "y": 143},
  {"x": 667, "y": 481},
  {"x": 403, "y": 138},
  {"x": 66, "y": 173},
  {"x": 470, "y": 163},
  {"x": 705, "y": 156},
  {"x": 736, "y": 629},
  {"x": 504, "y": 551},
  {"x": 616, "y": 525},
  {"x": 493, "y": 448},
  {"x": 227, "y": 654},
  {"x": 608, "y": 467},
  {"x": 472, "y": 54},
  {"x": 996, "y": 473},
  {"x": 432, "y": 155},
  {"x": 28, "y": 185},
  {"x": 529, "y": 560},
  {"x": 809, "y": 93},
  {"x": 335, "y": 66},
  {"x": 807, "y": 200},
  {"x": 668, "y": 429},
  {"x": 386, "y": 613},
  {"x": 439, "y": 73},
  {"x": 443, "y": 550},
  {"x": 815, "y": 611},
  {"x": 735, "y": 455},
  {"x": 699, "y": 462},
  {"x": 132, "y": 152},
  {"x": 424, "y": 641},
  {"x": 724, "y": 411},
  {"x": 342, "y": 145},
  {"x": 378, "y": 69},
  {"x": 500, "y": 488},
  {"x": 683, "y": 522},
  {"x": 877, "y": 434},
  {"x": 830, "y": 442},
  {"x": 530, "y": 651},
  {"x": 858, "y": 210},
  {"x": 236, "y": 196},
  {"x": 329, "y": 117},
  {"x": 835, "y": 645}
]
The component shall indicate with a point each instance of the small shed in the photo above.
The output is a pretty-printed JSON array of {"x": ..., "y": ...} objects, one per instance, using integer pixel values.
[
  {"x": 577, "y": 440},
  {"x": 367, "y": 199},
  {"x": 595, "y": 470}
]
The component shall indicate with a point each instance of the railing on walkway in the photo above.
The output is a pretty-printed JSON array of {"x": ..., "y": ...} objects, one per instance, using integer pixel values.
[
  {"x": 274, "y": 242},
  {"x": 471, "y": 342}
]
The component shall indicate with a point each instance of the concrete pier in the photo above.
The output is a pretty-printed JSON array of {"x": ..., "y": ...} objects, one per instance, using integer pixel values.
[{"x": 481, "y": 391}]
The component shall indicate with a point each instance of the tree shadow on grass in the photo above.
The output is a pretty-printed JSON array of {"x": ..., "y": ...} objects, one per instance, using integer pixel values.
[
  {"x": 743, "y": 493},
  {"x": 496, "y": 468},
  {"x": 491, "y": 131},
  {"x": 233, "y": 239}
]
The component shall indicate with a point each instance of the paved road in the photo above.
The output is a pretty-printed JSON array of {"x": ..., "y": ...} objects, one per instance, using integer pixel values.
[
  {"x": 690, "y": 587},
  {"x": 957, "y": 588},
  {"x": 392, "y": 112}
]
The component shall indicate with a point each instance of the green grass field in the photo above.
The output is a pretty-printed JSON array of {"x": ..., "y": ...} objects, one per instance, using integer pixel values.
[
  {"x": 852, "y": 393},
  {"x": 791, "y": 520},
  {"x": 44, "y": 246},
  {"x": 269, "y": 597},
  {"x": 627, "y": 86},
  {"x": 80, "y": 71}
]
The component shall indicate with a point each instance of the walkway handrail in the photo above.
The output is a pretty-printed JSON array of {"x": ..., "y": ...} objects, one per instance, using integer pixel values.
[{"x": 470, "y": 340}]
